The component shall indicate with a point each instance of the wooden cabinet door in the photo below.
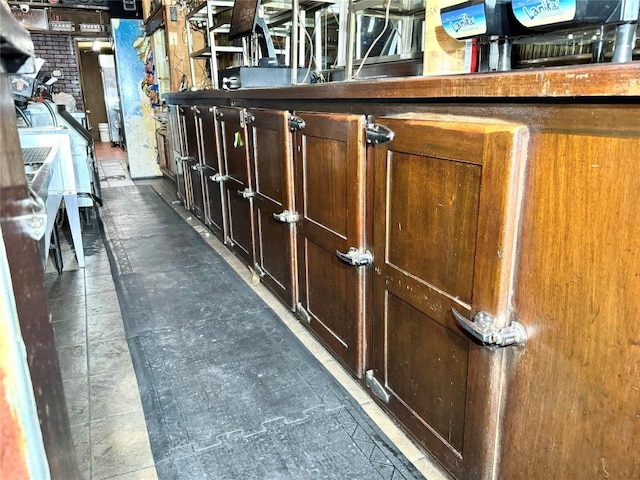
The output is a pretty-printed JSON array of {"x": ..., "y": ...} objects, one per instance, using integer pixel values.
[
  {"x": 212, "y": 172},
  {"x": 193, "y": 162},
  {"x": 274, "y": 210},
  {"x": 238, "y": 187},
  {"x": 445, "y": 202},
  {"x": 330, "y": 166},
  {"x": 180, "y": 155}
]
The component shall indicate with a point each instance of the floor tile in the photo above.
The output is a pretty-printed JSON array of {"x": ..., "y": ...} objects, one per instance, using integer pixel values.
[
  {"x": 119, "y": 444},
  {"x": 100, "y": 284},
  {"x": 108, "y": 356},
  {"x": 73, "y": 361},
  {"x": 70, "y": 332},
  {"x": 114, "y": 394},
  {"x": 80, "y": 435},
  {"x": 76, "y": 393},
  {"x": 105, "y": 326},
  {"x": 67, "y": 307},
  {"x": 101, "y": 303}
]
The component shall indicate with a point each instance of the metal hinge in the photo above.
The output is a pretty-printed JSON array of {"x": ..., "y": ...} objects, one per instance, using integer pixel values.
[
  {"x": 378, "y": 134},
  {"x": 304, "y": 315},
  {"x": 247, "y": 193},
  {"x": 356, "y": 257},
  {"x": 296, "y": 123},
  {"x": 484, "y": 330},
  {"x": 376, "y": 387},
  {"x": 259, "y": 270},
  {"x": 287, "y": 217},
  {"x": 246, "y": 118},
  {"x": 218, "y": 177}
]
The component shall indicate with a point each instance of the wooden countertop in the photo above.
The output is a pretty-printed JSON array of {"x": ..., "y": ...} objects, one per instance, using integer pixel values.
[{"x": 606, "y": 80}]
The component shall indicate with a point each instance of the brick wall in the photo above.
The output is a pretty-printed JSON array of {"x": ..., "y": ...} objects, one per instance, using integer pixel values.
[{"x": 59, "y": 53}]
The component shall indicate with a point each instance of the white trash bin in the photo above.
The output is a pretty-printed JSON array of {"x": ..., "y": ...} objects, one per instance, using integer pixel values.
[{"x": 103, "y": 128}]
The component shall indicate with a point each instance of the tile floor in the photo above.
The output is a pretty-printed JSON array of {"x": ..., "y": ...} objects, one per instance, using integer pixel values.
[
  {"x": 105, "y": 412},
  {"x": 100, "y": 385}
]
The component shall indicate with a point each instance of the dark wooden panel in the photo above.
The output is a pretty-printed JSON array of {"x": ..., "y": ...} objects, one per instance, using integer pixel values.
[
  {"x": 427, "y": 366},
  {"x": 444, "y": 236},
  {"x": 330, "y": 194},
  {"x": 272, "y": 159},
  {"x": 432, "y": 221},
  {"x": 235, "y": 151},
  {"x": 574, "y": 394}
]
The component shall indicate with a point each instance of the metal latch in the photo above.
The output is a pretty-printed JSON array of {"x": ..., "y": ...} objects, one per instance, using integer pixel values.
[
  {"x": 218, "y": 177},
  {"x": 186, "y": 158},
  {"x": 484, "y": 330},
  {"x": 296, "y": 123},
  {"x": 198, "y": 168},
  {"x": 246, "y": 117},
  {"x": 378, "y": 134},
  {"x": 247, "y": 193},
  {"x": 376, "y": 387},
  {"x": 287, "y": 217},
  {"x": 259, "y": 270},
  {"x": 302, "y": 312},
  {"x": 356, "y": 257}
]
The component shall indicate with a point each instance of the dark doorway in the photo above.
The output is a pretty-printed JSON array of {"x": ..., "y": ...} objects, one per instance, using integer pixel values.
[{"x": 92, "y": 90}]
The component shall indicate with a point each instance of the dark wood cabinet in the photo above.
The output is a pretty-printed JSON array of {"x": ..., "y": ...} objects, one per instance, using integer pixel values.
[
  {"x": 446, "y": 191},
  {"x": 211, "y": 168},
  {"x": 330, "y": 171},
  {"x": 238, "y": 186},
  {"x": 192, "y": 162},
  {"x": 274, "y": 209},
  {"x": 179, "y": 150}
]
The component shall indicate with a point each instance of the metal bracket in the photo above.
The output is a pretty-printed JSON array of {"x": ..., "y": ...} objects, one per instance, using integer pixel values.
[
  {"x": 219, "y": 114},
  {"x": 483, "y": 329},
  {"x": 186, "y": 158},
  {"x": 247, "y": 193},
  {"x": 219, "y": 178},
  {"x": 259, "y": 270},
  {"x": 376, "y": 387},
  {"x": 198, "y": 168},
  {"x": 296, "y": 123},
  {"x": 302, "y": 313},
  {"x": 287, "y": 217},
  {"x": 246, "y": 118},
  {"x": 378, "y": 134},
  {"x": 356, "y": 257}
]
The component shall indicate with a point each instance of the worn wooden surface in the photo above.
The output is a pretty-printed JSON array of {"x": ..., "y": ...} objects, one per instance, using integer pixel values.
[
  {"x": 330, "y": 183},
  {"x": 235, "y": 150},
  {"x": 272, "y": 161}
]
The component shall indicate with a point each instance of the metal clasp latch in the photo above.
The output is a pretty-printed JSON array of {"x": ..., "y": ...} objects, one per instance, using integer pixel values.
[
  {"x": 218, "y": 177},
  {"x": 247, "y": 193},
  {"x": 287, "y": 217},
  {"x": 356, "y": 257},
  {"x": 483, "y": 329}
]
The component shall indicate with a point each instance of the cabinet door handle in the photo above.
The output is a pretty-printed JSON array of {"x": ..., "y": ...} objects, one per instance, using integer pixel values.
[
  {"x": 355, "y": 257},
  {"x": 483, "y": 329},
  {"x": 219, "y": 178},
  {"x": 246, "y": 193},
  {"x": 287, "y": 217}
]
